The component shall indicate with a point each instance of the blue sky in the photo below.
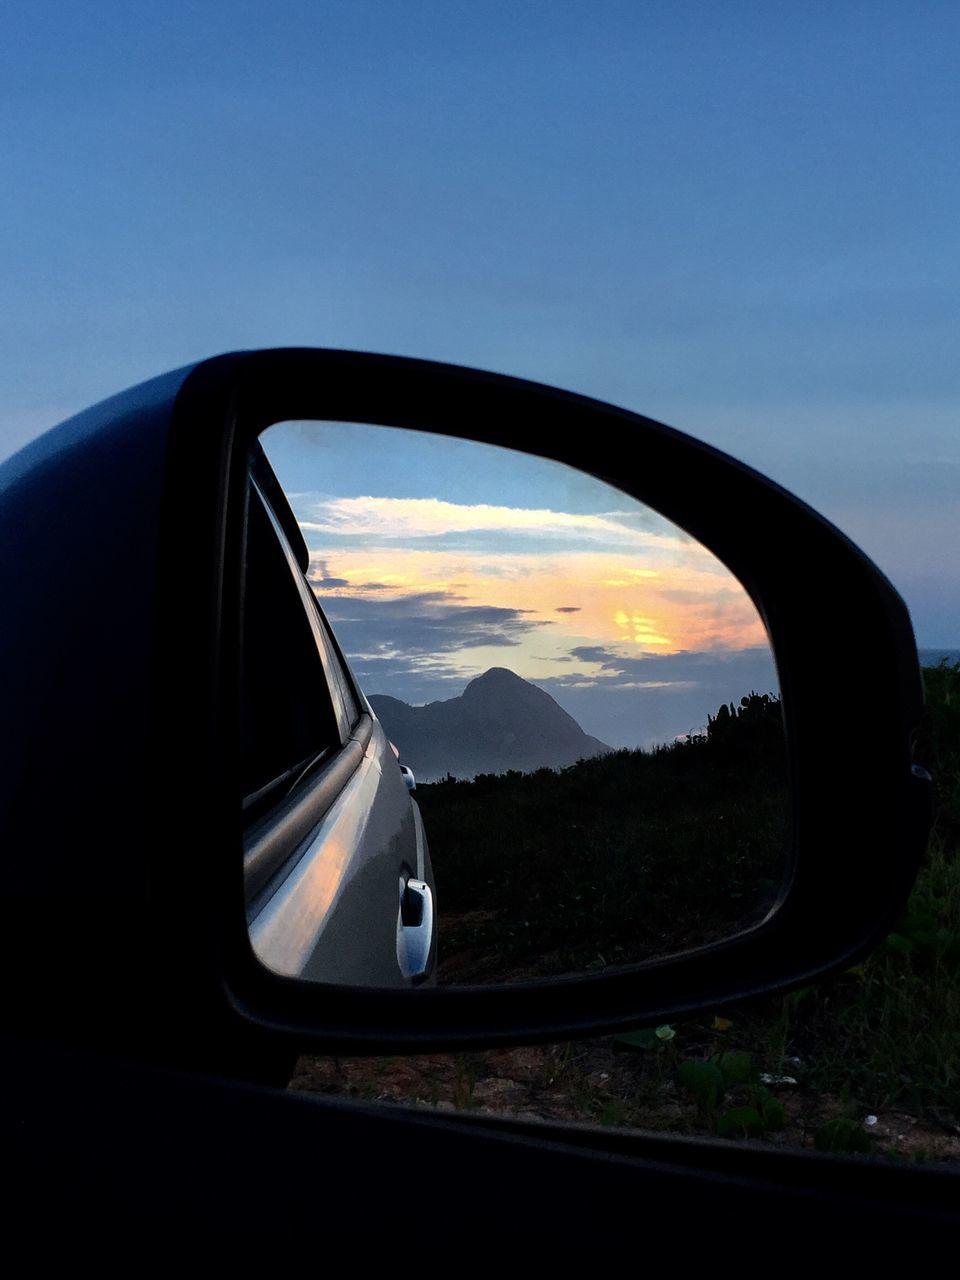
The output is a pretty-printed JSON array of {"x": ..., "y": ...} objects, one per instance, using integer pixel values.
[{"x": 741, "y": 219}]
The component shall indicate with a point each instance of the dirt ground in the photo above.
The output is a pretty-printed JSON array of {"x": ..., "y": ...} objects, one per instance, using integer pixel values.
[{"x": 598, "y": 1081}]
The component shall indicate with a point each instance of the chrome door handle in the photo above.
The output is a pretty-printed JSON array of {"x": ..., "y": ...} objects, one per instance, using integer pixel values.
[{"x": 414, "y": 929}]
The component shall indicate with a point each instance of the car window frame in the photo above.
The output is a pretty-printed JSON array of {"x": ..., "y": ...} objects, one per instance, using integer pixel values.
[
  {"x": 349, "y": 702},
  {"x": 309, "y": 788}
]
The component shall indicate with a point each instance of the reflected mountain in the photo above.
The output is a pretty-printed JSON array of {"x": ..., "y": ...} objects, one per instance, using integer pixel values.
[{"x": 499, "y": 722}]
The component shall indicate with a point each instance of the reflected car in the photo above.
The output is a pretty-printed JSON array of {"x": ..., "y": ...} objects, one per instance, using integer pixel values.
[{"x": 338, "y": 882}]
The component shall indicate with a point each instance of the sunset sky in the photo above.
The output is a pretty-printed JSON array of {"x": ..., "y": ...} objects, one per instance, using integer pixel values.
[{"x": 436, "y": 559}]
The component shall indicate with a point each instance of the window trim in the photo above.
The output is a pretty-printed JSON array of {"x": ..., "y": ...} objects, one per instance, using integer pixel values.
[
  {"x": 273, "y": 837},
  {"x": 271, "y": 841}
]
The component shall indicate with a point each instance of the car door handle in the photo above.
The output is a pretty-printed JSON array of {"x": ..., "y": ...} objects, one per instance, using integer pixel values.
[{"x": 414, "y": 929}]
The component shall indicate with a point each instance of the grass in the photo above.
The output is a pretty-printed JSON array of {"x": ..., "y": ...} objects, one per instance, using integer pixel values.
[
  {"x": 615, "y": 859},
  {"x": 882, "y": 1040},
  {"x": 888, "y": 1032}
]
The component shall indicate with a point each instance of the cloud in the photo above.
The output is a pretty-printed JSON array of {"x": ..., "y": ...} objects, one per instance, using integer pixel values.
[
  {"x": 398, "y": 604},
  {"x": 404, "y": 519},
  {"x": 711, "y": 669},
  {"x": 594, "y": 653},
  {"x": 684, "y": 605},
  {"x": 432, "y": 622},
  {"x": 656, "y": 684},
  {"x": 320, "y": 576}
]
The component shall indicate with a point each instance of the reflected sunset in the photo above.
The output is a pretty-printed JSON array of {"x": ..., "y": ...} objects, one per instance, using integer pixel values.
[
  {"x": 436, "y": 559},
  {"x": 566, "y": 599}
]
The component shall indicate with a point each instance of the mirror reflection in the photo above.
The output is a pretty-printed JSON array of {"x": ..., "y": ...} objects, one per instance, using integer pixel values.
[{"x": 503, "y": 722}]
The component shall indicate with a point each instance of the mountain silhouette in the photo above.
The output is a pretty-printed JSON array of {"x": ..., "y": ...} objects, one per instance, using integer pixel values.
[{"x": 499, "y": 722}]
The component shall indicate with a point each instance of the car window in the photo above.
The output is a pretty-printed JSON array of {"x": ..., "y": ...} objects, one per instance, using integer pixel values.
[
  {"x": 341, "y": 683},
  {"x": 287, "y": 724}
]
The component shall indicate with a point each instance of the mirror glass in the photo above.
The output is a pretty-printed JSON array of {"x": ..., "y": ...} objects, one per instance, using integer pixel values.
[{"x": 501, "y": 721}]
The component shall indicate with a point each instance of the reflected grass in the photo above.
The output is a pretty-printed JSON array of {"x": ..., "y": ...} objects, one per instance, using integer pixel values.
[{"x": 614, "y": 860}]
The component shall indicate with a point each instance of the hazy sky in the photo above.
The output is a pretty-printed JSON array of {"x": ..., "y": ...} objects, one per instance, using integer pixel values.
[{"x": 740, "y": 219}]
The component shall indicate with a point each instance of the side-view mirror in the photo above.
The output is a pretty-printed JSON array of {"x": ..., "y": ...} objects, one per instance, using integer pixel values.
[
  {"x": 221, "y": 619},
  {"x": 555, "y": 850}
]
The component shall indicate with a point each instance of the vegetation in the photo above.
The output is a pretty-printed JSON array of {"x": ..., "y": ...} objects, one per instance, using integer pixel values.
[
  {"x": 885, "y": 1035},
  {"x": 867, "y": 1062},
  {"x": 888, "y": 1032},
  {"x": 618, "y": 858}
]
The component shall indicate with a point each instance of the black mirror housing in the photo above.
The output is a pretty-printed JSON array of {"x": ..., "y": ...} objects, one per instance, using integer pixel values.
[{"x": 146, "y": 660}]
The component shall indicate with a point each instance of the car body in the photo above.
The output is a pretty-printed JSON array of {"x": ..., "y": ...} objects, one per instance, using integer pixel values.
[{"x": 337, "y": 868}]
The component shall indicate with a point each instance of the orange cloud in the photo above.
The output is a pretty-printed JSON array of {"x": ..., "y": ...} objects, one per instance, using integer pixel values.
[{"x": 690, "y": 602}]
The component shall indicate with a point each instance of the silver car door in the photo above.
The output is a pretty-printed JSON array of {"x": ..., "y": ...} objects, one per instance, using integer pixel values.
[{"x": 334, "y": 850}]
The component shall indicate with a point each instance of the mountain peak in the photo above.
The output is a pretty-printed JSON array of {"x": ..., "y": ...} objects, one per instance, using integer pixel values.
[
  {"x": 499, "y": 722},
  {"x": 496, "y": 676},
  {"x": 501, "y": 687}
]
